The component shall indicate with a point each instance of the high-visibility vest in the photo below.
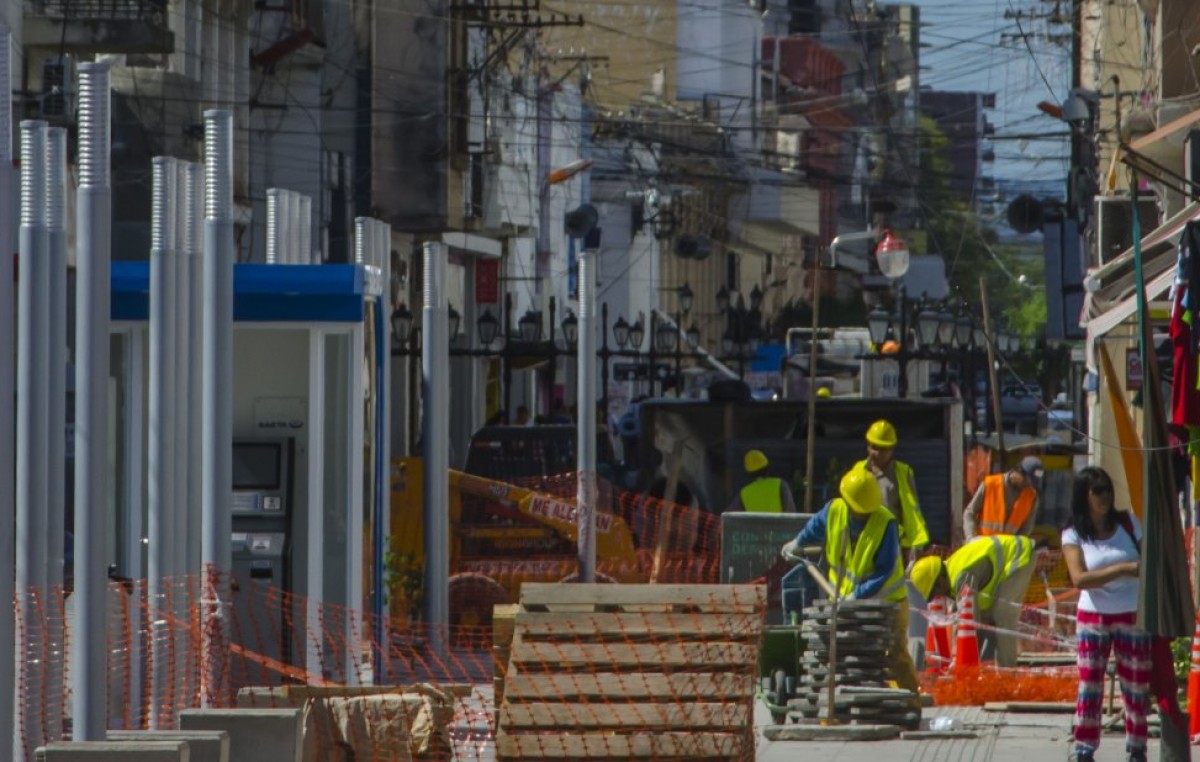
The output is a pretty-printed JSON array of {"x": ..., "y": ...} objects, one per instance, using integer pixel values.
[
  {"x": 762, "y": 496},
  {"x": 995, "y": 518},
  {"x": 859, "y": 560},
  {"x": 913, "y": 532},
  {"x": 1008, "y": 554}
]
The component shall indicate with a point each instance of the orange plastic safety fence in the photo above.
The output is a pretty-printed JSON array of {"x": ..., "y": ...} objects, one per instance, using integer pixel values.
[{"x": 979, "y": 686}]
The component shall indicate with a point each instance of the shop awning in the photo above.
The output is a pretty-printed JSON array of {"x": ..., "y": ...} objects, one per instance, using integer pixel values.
[{"x": 1115, "y": 301}]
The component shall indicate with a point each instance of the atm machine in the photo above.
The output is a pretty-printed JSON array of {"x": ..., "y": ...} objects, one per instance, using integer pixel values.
[{"x": 262, "y": 511}]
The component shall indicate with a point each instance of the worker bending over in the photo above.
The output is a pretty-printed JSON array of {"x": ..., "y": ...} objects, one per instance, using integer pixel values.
[
  {"x": 861, "y": 542},
  {"x": 997, "y": 568}
]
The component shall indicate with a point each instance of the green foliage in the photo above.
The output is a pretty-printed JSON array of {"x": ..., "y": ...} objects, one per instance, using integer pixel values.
[{"x": 404, "y": 578}]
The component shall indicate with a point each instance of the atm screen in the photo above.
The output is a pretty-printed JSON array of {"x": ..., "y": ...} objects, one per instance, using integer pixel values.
[{"x": 256, "y": 465}]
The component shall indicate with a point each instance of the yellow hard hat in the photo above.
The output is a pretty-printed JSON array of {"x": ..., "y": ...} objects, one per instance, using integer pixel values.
[
  {"x": 882, "y": 434},
  {"x": 924, "y": 574},
  {"x": 824, "y": 392},
  {"x": 860, "y": 491},
  {"x": 755, "y": 461},
  {"x": 890, "y": 347}
]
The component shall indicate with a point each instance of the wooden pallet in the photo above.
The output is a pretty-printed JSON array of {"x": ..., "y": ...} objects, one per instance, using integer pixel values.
[{"x": 609, "y": 672}]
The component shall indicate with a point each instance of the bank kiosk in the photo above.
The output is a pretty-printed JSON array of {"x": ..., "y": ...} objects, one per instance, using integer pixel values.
[{"x": 309, "y": 443}]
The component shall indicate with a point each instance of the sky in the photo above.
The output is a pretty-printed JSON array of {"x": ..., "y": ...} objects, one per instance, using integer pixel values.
[{"x": 973, "y": 46}]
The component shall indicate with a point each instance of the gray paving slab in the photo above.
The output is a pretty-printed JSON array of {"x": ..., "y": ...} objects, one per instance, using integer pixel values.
[{"x": 1001, "y": 737}]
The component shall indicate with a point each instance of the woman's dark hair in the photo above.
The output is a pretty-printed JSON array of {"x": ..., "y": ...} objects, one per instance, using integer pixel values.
[{"x": 1092, "y": 479}]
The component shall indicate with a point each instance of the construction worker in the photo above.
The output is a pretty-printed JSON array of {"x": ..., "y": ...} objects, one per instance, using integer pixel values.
[
  {"x": 898, "y": 485},
  {"x": 862, "y": 547},
  {"x": 1005, "y": 503},
  {"x": 763, "y": 494},
  {"x": 997, "y": 568}
]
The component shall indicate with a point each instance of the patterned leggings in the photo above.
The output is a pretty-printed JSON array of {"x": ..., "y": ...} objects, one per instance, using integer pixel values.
[{"x": 1098, "y": 633}]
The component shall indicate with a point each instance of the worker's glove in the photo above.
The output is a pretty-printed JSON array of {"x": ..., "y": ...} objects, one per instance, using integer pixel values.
[{"x": 789, "y": 550}]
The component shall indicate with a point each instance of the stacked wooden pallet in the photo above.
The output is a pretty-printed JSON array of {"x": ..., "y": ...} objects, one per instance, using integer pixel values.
[{"x": 610, "y": 672}]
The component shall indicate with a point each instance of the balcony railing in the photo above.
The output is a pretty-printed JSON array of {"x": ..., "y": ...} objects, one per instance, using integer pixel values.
[{"x": 152, "y": 11}]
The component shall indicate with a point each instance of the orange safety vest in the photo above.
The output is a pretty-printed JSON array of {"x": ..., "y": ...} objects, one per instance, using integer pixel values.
[{"x": 995, "y": 518}]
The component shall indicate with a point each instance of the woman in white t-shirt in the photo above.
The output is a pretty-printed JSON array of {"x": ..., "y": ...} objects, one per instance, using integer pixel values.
[{"x": 1101, "y": 548}]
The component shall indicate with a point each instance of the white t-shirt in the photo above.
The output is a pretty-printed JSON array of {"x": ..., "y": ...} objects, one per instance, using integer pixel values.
[{"x": 1119, "y": 595}]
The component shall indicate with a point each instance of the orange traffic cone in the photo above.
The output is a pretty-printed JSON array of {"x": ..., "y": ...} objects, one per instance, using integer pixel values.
[
  {"x": 966, "y": 647},
  {"x": 937, "y": 638},
  {"x": 1193, "y": 694}
]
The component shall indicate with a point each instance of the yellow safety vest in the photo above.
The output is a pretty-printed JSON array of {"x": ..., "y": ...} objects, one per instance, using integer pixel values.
[
  {"x": 1007, "y": 552},
  {"x": 913, "y": 532},
  {"x": 762, "y": 496},
  {"x": 860, "y": 559}
]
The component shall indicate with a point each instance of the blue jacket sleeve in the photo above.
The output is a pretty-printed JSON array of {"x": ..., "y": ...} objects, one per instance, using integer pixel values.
[
  {"x": 885, "y": 563},
  {"x": 813, "y": 532}
]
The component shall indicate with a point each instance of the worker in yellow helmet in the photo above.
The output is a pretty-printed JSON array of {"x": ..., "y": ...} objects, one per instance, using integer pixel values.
[
  {"x": 898, "y": 485},
  {"x": 861, "y": 543},
  {"x": 763, "y": 493},
  {"x": 997, "y": 568}
]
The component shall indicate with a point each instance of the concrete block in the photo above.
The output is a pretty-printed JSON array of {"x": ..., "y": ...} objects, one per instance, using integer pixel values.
[
  {"x": 206, "y": 745},
  {"x": 114, "y": 751},
  {"x": 255, "y": 735},
  {"x": 830, "y": 732}
]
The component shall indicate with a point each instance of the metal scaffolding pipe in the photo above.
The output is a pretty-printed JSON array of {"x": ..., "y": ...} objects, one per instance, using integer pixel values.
[
  {"x": 9, "y": 217},
  {"x": 92, "y": 295},
  {"x": 286, "y": 200},
  {"x": 32, "y": 415},
  {"x": 56, "y": 226},
  {"x": 435, "y": 356},
  {"x": 217, "y": 380}
]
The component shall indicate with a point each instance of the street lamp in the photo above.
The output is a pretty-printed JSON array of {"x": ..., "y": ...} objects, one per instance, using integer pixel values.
[
  {"x": 570, "y": 329},
  {"x": 945, "y": 328},
  {"x": 666, "y": 337},
  {"x": 530, "y": 327},
  {"x": 877, "y": 326},
  {"x": 621, "y": 333},
  {"x": 693, "y": 336},
  {"x": 488, "y": 327},
  {"x": 685, "y": 298},
  {"x": 637, "y": 332},
  {"x": 927, "y": 327},
  {"x": 962, "y": 330},
  {"x": 402, "y": 322},
  {"x": 756, "y": 297},
  {"x": 723, "y": 300}
]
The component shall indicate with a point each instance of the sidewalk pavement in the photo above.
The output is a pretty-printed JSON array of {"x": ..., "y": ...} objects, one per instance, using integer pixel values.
[{"x": 1003, "y": 737}]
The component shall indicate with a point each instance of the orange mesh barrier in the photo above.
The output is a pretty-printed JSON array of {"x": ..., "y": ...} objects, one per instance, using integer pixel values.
[{"x": 980, "y": 686}]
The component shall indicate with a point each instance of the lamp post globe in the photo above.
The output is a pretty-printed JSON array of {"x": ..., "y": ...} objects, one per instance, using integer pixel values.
[
  {"x": 946, "y": 328},
  {"x": 402, "y": 323},
  {"x": 637, "y": 332},
  {"x": 685, "y": 298},
  {"x": 621, "y": 333},
  {"x": 962, "y": 330},
  {"x": 530, "y": 327},
  {"x": 927, "y": 327},
  {"x": 666, "y": 337},
  {"x": 892, "y": 256},
  {"x": 488, "y": 327},
  {"x": 693, "y": 336},
  {"x": 877, "y": 325},
  {"x": 570, "y": 329},
  {"x": 722, "y": 300}
]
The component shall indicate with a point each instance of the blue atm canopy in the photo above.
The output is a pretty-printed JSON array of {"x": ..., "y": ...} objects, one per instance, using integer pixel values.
[{"x": 265, "y": 293}]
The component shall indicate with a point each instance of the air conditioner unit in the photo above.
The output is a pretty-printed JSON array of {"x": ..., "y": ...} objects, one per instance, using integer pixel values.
[
  {"x": 785, "y": 148},
  {"x": 1114, "y": 225},
  {"x": 57, "y": 97}
]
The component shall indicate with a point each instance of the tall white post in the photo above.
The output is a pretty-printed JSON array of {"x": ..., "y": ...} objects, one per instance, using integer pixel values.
[
  {"x": 586, "y": 419},
  {"x": 9, "y": 216},
  {"x": 92, "y": 264},
  {"x": 56, "y": 516},
  {"x": 160, "y": 552},
  {"x": 217, "y": 455},
  {"x": 182, "y": 352},
  {"x": 304, "y": 231},
  {"x": 435, "y": 356},
  {"x": 32, "y": 418},
  {"x": 274, "y": 224}
]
